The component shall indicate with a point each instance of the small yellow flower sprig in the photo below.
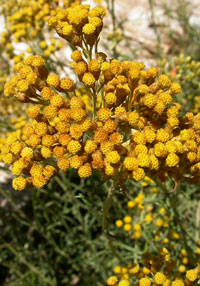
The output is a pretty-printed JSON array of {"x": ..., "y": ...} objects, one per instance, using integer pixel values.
[
  {"x": 155, "y": 270},
  {"x": 130, "y": 224},
  {"x": 80, "y": 26},
  {"x": 142, "y": 217},
  {"x": 11, "y": 112},
  {"x": 185, "y": 70},
  {"x": 31, "y": 77}
]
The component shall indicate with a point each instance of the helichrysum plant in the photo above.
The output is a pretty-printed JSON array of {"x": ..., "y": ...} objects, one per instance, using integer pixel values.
[
  {"x": 117, "y": 119},
  {"x": 135, "y": 129}
]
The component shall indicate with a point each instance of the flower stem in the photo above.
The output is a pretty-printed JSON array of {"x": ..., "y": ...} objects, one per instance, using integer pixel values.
[{"x": 105, "y": 223}]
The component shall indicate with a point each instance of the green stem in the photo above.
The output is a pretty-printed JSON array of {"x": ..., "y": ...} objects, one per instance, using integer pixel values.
[
  {"x": 13, "y": 204},
  {"x": 105, "y": 223},
  {"x": 61, "y": 183},
  {"x": 106, "y": 207},
  {"x": 31, "y": 267},
  {"x": 154, "y": 25},
  {"x": 90, "y": 52},
  {"x": 96, "y": 48},
  {"x": 111, "y": 9},
  {"x": 94, "y": 105},
  {"x": 113, "y": 15}
]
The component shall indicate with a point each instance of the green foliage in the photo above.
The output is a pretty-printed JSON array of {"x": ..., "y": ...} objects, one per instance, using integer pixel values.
[{"x": 55, "y": 236}]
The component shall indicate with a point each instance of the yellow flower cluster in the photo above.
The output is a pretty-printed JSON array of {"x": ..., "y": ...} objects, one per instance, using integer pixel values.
[
  {"x": 186, "y": 71},
  {"x": 26, "y": 19},
  {"x": 79, "y": 24},
  {"x": 134, "y": 129},
  {"x": 11, "y": 113},
  {"x": 155, "y": 270},
  {"x": 129, "y": 223},
  {"x": 32, "y": 73}
]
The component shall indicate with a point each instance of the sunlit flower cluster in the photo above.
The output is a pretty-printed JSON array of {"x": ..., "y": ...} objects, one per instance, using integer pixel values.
[{"x": 135, "y": 128}]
